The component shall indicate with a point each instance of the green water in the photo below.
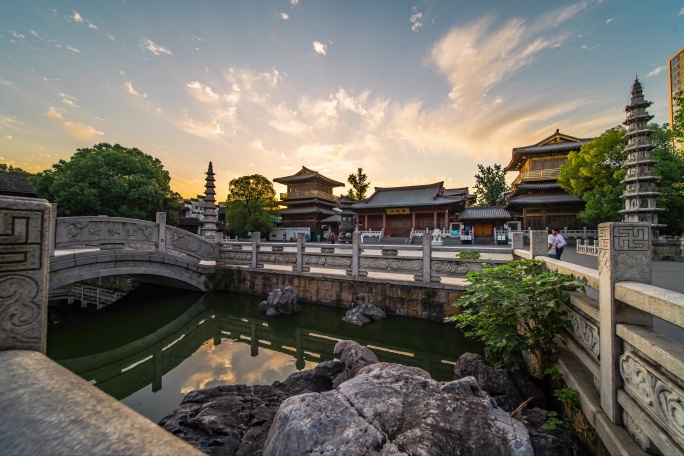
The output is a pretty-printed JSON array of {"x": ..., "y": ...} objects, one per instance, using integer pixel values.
[{"x": 155, "y": 345}]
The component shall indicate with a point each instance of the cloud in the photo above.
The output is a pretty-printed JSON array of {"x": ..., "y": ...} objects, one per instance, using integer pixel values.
[
  {"x": 415, "y": 20},
  {"x": 111, "y": 37},
  {"x": 294, "y": 2},
  {"x": 73, "y": 49},
  {"x": 609, "y": 20},
  {"x": 77, "y": 130},
  {"x": 67, "y": 99},
  {"x": 18, "y": 36},
  {"x": 656, "y": 71},
  {"x": 284, "y": 16},
  {"x": 319, "y": 48},
  {"x": 681, "y": 12},
  {"x": 92, "y": 26},
  {"x": 76, "y": 17},
  {"x": 128, "y": 85},
  {"x": 153, "y": 47}
]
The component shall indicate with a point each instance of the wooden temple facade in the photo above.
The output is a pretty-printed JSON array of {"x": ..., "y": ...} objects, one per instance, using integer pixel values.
[
  {"x": 309, "y": 198},
  {"x": 536, "y": 200}
]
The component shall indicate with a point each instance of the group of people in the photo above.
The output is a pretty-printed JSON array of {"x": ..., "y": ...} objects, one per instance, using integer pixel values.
[{"x": 556, "y": 244}]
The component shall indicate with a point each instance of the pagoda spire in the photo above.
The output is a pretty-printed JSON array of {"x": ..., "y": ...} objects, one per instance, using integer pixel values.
[
  {"x": 640, "y": 191},
  {"x": 209, "y": 221}
]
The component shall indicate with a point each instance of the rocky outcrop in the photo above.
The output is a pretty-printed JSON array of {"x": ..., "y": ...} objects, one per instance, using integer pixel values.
[
  {"x": 393, "y": 409},
  {"x": 509, "y": 388},
  {"x": 235, "y": 419},
  {"x": 280, "y": 302},
  {"x": 361, "y": 314},
  {"x": 354, "y": 356},
  {"x": 558, "y": 442}
]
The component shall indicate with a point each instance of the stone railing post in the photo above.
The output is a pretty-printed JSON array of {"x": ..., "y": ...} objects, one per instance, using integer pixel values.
[
  {"x": 53, "y": 229},
  {"x": 517, "y": 237},
  {"x": 256, "y": 237},
  {"x": 161, "y": 226},
  {"x": 24, "y": 264},
  {"x": 299, "y": 267},
  {"x": 356, "y": 255},
  {"x": 624, "y": 255},
  {"x": 427, "y": 261},
  {"x": 539, "y": 243}
]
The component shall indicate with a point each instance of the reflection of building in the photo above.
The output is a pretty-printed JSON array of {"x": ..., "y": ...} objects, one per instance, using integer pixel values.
[
  {"x": 397, "y": 210},
  {"x": 309, "y": 198},
  {"x": 536, "y": 198},
  {"x": 675, "y": 80}
]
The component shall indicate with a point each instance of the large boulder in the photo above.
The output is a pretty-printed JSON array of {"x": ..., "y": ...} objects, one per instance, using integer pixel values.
[
  {"x": 508, "y": 388},
  {"x": 235, "y": 419},
  {"x": 354, "y": 356},
  {"x": 361, "y": 314},
  {"x": 280, "y": 302},
  {"x": 394, "y": 409}
]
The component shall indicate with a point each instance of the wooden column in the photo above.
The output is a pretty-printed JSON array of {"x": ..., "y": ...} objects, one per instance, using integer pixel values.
[
  {"x": 434, "y": 220},
  {"x": 384, "y": 221},
  {"x": 365, "y": 222},
  {"x": 413, "y": 220}
]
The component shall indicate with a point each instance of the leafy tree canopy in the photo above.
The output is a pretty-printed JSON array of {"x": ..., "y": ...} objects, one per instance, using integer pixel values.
[
  {"x": 250, "y": 198},
  {"x": 359, "y": 183},
  {"x": 4, "y": 167},
  {"x": 678, "y": 121},
  {"x": 109, "y": 180},
  {"x": 490, "y": 186}
]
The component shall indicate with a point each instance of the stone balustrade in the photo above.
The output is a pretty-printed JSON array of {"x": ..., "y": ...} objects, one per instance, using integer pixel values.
[
  {"x": 627, "y": 373},
  {"x": 585, "y": 248}
]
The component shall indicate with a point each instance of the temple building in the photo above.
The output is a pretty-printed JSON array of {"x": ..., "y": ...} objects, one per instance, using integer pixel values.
[
  {"x": 309, "y": 198},
  {"x": 536, "y": 200},
  {"x": 640, "y": 189},
  {"x": 398, "y": 210}
]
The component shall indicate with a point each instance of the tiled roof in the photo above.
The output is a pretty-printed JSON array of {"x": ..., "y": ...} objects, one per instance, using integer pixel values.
[
  {"x": 463, "y": 191},
  {"x": 304, "y": 175},
  {"x": 308, "y": 210},
  {"x": 557, "y": 143},
  {"x": 15, "y": 183},
  {"x": 417, "y": 195},
  {"x": 189, "y": 221},
  {"x": 337, "y": 218},
  {"x": 529, "y": 200},
  {"x": 540, "y": 186},
  {"x": 484, "y": 213}
]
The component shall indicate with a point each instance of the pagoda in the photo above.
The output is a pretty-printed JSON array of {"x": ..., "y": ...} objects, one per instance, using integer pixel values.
[
  {"x": 209, "y": 221},
  {"x": 640, "y": 190}
]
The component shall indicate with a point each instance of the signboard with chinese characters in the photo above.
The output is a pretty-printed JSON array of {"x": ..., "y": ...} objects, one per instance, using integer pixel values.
[{"x": 398, "y": 211}]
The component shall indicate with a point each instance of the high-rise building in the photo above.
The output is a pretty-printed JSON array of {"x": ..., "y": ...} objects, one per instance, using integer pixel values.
[{"x": 675, "y": 67}]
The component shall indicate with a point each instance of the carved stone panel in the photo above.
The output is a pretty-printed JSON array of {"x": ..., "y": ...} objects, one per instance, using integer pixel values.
[
  {"x": 373, "y": 263},
  {"x": 97, "y": 230},
  {"x": 190, "y": 244},
  {"x": 585, "y": 332},
  {"x": 24, "y": 263},
  {"x": 656, "y": 395},
  {"x": 405, "y": 265}
]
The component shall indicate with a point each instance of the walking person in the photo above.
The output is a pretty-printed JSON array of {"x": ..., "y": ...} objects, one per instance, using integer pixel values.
[
  {"x": 553, "y": 242},
  {"x": 332, "y": 238},
  {"x": 560, "y": 243}
]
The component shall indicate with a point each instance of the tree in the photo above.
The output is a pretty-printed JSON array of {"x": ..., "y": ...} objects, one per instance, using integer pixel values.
[
  {"x": 490, "y": 186},
  {"x": 4, "y": 167},
  {"x": 359, "y": 185},
  {"x": 594, "y": 174},
  {"x": 250, "y": 198},
  {"x": 670, "y": 168},
  {"x": 109, "y": 180},
  {"x": 678, "y": 121}
]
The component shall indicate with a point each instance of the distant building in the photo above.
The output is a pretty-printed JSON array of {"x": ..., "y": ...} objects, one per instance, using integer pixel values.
[
  {"x": 16, "y": 184},
  {"x": 398, "y": 210},
  {"x": 675, "y": 68},
  {"x": 309, "y": 199},
  {"x": 536, "y": 199}
]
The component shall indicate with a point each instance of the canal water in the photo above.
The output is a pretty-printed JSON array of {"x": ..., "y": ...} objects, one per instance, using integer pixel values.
[{"x": 155, "y": 345}]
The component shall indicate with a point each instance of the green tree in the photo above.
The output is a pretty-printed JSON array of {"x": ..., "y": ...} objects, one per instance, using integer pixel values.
[
  {"x": 490, "y": 186},
  {"x": 250, "y": 198},
  {"x": 4, "y": 167},
  {"x": 678, "y": 122},
  {"x": 670, "y": 168},
  {"x": 359, "y": 183},
  {"x": 109, "y": 180},
  {"x": 594, "y": 174}
]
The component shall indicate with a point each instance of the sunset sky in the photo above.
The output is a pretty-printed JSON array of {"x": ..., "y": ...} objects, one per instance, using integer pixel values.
[{"x": 412, "y": 91}]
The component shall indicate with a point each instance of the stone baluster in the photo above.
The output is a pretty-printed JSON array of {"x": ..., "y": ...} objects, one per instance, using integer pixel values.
[
  {"x": 161, "y": 226},
  {"x": 356, "y": 254},
  {"x": 539, "y": 243},
  {"x": 517, "y": 237},
  {"x": 426, "y": 275},
  {"x": 256, "y": 237},
  {"x": 53, "y": 228},
  {"x": 624, "y": 255},
  {"x": 24, "y": 249},
  {"x": 299, "y": 267}
]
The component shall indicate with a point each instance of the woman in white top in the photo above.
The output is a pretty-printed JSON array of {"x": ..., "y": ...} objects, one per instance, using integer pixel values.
[{"x": 552, "y": 245}]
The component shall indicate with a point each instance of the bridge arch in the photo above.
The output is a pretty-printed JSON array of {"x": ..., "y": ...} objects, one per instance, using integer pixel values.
[{"x": 154, "y": 267}]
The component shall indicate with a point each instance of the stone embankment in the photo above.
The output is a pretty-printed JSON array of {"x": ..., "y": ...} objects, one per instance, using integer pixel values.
[{"x": 358, "y": 406}]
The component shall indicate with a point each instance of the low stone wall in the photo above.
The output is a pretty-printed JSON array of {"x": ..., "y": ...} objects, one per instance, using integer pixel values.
[{"x": 421, "y": 300}]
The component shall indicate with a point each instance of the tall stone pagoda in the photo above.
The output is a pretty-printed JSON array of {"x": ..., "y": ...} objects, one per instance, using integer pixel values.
[
  {"x": 640, "y": 189},
  {"x": 209, "y": 221}
]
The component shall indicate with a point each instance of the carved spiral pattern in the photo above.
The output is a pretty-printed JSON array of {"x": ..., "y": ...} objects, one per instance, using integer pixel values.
[
  {"x": 20, "y": 310},
  {"x": 374, "y": 263},
  {"x": 314, "y": 260},
  {"x": 406, "y": 265},
  {"x": 585, "y": 332}
]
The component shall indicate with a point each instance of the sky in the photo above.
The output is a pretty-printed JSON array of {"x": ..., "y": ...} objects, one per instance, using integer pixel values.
[{"x": 413, "y": 92}]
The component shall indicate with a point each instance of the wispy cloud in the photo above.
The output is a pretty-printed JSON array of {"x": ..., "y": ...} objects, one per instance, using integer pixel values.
[
  {"x": 294, "y": 2},
  {"x": 128, "y": 85},
  {"x": 656, "y": 71},
  {"x": 76, "y": 129},
  {"x": 153, "y": 47},
  {"x": 681, "y": 12},
  {"x": 319, "y": 48},
  {"x": 72, "y": 49},
  {"x": 92, "y": 26},
  {"x": 17, "y": 35},
  {"x": 76, "y": 17},
  {"x": 609, "y": 20},
  {"x": 284, "y": 16},
  {"x": 415, "y": 20},
  {"x": 111, "y": 37},
  {"x": 68, "y": 100}
]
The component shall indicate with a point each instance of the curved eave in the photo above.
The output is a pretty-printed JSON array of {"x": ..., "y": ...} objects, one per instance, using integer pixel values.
[
  {"x": 639, "y": 178},
  {"x": 644, "y": 210},
  {"x": 639, "y": 195}
]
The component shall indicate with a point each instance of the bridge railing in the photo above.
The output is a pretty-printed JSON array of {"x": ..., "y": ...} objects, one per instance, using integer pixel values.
[
  {"x": 624, "y": 353},
  {"x": 118, "y": 232},
  {"x": 416, "y": 261}
]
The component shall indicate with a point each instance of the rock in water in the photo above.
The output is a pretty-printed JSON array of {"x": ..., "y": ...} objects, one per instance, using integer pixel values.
[
  {"x": 280, "y": 302},
  {"x": 363, "y": 313},
  {"x": 354, "y": 356},
  {"x": 394, "y": 409}
]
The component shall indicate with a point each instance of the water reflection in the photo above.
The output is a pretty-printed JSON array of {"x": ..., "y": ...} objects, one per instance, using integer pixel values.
[{"x": 184, "y": 341}]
